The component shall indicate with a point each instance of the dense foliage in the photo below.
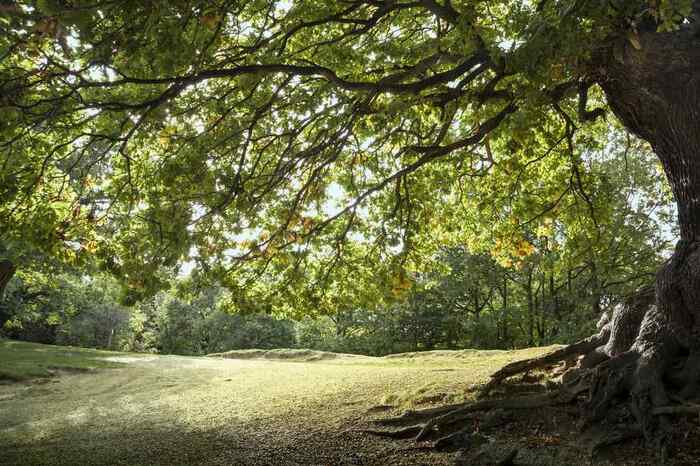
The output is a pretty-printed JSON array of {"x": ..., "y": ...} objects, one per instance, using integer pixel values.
[
  {"x": 82, "y": 310},
  {"x": 286, "y": 147},
  {"x": 488, "y": 283},
  {"x": 64, "y": 309},
  {"x": 397, "y": 175},
  {"x": 552, "y": 292}
]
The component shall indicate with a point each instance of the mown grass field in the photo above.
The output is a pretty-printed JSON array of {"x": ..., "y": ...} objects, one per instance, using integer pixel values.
[
  {"x": 85, "y": 407},
  {"x": 23, "y": 361}
]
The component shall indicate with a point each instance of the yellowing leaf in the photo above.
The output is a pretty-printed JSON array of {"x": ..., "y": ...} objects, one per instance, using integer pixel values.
[
  {"x": 308, "y": 223},
  {"x": 210, "y": 21},
  {"x": 633, "y": 37}
]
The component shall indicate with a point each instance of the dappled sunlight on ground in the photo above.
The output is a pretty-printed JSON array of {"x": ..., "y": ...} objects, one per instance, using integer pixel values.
[{"x": 188, "y": 410}]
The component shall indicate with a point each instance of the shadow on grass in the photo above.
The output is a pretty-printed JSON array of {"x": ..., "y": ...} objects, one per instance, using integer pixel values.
[{"x": 249, "y": 444}]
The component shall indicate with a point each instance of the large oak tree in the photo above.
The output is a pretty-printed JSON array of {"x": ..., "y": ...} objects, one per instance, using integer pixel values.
[{"x": 279, "y": 131}]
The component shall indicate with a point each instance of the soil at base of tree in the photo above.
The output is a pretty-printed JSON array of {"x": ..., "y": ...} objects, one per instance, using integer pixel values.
[{"x": 554, "y": 435}]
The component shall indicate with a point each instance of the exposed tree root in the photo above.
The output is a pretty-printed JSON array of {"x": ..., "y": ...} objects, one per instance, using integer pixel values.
[
  {"x": 411, "y": 417},
  {"x": 614, "y": 438},
  {"x": 487, "y": 455},
  {"x": 577, "y": 349},
  {"x": 464, "y": 438},
  {"x": 644, "y": 359},
  {"x": 406, "y": 432},
  {"x": 680, "y": 409},
  {"x": 380, "y": 408},
  {"x": 438, "y": 423},
  {"x": 441, "y": 423}
]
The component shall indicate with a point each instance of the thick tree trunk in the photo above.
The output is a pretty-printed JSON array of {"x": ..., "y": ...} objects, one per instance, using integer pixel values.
[
  {"x": 655, "y": 92},
  {"x": 504, "y": 334},
  {"x": 595, "y": 289},
  {"x": 654, "y": 89},
  {"x": 530, "y": 310},
  {"x": 7, "y": 271}
]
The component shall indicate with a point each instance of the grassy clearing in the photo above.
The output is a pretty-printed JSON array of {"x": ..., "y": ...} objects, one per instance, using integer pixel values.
[
  {"x": 23, "y": 361},
  {"x": 179, "y": 410},
  {"x": 171, "y": 410},
  {"x": 287, "y": 354}
]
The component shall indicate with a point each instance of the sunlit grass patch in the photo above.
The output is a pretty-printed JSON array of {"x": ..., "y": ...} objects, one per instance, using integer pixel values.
[
  {"x": 23, "y": 361},
  {"x": 286, "y": 354},
  {"x": 206, "y": 410}
]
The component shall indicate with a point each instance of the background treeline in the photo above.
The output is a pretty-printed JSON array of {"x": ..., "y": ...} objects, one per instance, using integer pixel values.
[{"x": 470, "y": 302}]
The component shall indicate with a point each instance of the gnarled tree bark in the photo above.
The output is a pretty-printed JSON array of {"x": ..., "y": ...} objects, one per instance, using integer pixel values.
[{"x": 654, "y": 89}]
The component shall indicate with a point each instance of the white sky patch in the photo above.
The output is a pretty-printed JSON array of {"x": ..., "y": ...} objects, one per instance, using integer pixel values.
[
  {"x": 510, "y": 44},
  {"x": 284, "y": 5},
  {"x": 91, "y": 111},
  {"x": 198, "y": 125},
  {"x": 186, "y": 268},
  {"x": 248, "y": 234},
  {"x": 72, "y": 40},
  {"x": 336, "y": 197}
]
